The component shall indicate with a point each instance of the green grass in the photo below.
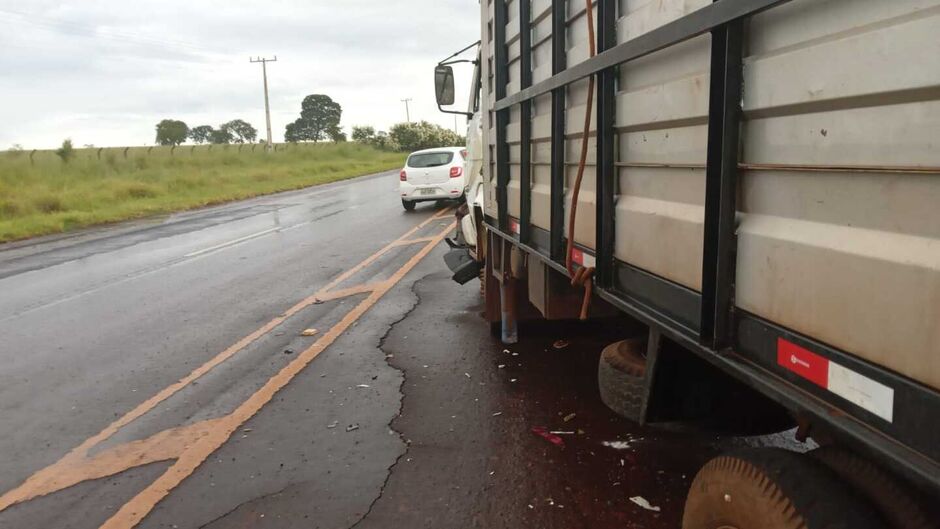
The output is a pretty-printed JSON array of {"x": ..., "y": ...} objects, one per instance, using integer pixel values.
[{"x": 46, "y": 196}]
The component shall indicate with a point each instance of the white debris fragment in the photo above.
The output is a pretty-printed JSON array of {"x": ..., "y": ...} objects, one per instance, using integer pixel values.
[
  {"x": 500, "y": 366},
  {"x": 641, "y": 501},
  {"x": 617, "y": 445},
  {"x": 467, "y": 375},
  {"x": 363, "y": 386},
  {"x": 497, "y": 414}
]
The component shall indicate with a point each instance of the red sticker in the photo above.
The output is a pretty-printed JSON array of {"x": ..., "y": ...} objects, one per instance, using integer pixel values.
[
  {"x": 803, "y": 362},
  {"x": 577, "y": 256}
]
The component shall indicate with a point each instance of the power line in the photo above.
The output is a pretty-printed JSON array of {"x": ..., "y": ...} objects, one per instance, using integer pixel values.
[{"x": 92, "y": 32}]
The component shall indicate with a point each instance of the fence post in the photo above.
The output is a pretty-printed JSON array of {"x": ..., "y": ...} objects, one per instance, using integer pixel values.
[
  {"x": 99, "y": 152},
  {"x": 125, "y": 152}
]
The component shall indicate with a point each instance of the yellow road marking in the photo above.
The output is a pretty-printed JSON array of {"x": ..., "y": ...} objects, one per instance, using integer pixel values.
[{"x": 190, "y": 445}]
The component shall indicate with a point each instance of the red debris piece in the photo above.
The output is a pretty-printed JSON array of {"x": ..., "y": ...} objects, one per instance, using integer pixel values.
[{"x": 543, "y": 432}]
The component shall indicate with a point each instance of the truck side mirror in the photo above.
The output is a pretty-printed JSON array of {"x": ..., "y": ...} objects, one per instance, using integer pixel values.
[{"x": 444, "y": 85}]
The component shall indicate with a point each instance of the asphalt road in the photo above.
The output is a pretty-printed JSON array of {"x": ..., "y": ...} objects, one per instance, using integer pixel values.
[{"x": 157, "y": 374}]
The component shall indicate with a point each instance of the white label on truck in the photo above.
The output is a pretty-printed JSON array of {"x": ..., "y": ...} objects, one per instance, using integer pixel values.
[
  {"x": 861, "y": 390},
  {"x": 850, "y": 385},
  {"x": 582, "y": 258}
]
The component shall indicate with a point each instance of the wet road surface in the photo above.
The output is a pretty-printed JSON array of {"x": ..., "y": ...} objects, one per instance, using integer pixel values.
[{"x": 157, "y": 374}]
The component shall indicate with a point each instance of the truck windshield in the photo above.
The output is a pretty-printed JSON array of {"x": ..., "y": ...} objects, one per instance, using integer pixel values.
[{"x": 430, "y": 159}]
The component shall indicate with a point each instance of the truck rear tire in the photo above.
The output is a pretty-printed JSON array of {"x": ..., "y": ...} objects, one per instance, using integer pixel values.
[
  {"x": 767, "y": 488},
  {"x": 896, "y": 505},
  {"x": 621, "y": 377}
]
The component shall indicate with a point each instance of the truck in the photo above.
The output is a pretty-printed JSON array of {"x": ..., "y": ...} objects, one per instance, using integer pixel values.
[{"x": 753, "y": 188}]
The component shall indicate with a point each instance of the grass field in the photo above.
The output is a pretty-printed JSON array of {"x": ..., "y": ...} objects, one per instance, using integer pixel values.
[{"x": 45, "y": 195}]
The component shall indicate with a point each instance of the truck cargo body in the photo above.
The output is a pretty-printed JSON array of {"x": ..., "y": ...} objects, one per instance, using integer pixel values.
[{"x": 762, "y": 187}]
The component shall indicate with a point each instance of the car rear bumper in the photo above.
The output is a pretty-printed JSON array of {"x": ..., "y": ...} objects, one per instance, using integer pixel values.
[{"x": 452, "y": 189}]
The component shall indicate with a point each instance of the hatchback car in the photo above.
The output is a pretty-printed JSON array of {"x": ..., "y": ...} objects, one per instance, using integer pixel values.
[{"x": 433, "y": 174}]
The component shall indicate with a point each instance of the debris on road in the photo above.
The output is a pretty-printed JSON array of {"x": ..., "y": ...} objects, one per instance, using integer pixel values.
[
  {"x": 500, "y": 366},
  {"x": 497, "y": 414},
  {"x": 617, "y": 445},
  {"x": 309, "y": 332},
  {"x": 467, "y": 375},
  {"x": 352, "y": 427},
  {"x": 363, "y": 386},
  {"x": 543, "y": 432},
  {"x": 561, "y": 432},
  {"x": 332, "y": 425},
  {"x": 641, "y": 501},
  {"x": 570, "y": 416},
  {"x": 560, "y": 344},
  {"x": 288, "y": 351}
]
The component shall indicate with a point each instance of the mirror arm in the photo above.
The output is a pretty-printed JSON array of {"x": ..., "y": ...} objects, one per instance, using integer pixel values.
[
  {"x": 477, "y": 43},
  {"x": 459, "y": 113},
  {"x": 459, "y": 61}
]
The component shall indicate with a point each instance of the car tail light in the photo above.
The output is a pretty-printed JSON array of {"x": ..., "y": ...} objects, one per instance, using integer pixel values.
[
  {"x": 463, "y": 154},
  {"x": 403, "y": 176},
  {"x": 456, "y": 172}
]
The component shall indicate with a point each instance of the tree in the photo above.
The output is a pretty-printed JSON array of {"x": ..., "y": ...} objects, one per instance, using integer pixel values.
[
  {"x": 423, "y": 135},
  {"x": 336, "y": 135},
  {"x": 319, "y": 117},
  {"x": 241, "y": 131},
  {"x": 66, "y": 152},
  {"x": 221, "y": 137},
  {"x": 201, "y": 134},
  {"x": 363, "y": 134},
  {"x": 171, "y": 132}
]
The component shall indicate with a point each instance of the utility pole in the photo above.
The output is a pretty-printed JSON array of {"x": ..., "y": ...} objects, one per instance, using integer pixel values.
[
  {"x": 267, "y": 106},
  {"x": 407, "y": 111}
]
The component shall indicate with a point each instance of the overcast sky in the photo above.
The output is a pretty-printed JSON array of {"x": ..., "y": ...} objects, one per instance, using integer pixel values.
[{"x": 104, "y": 72}]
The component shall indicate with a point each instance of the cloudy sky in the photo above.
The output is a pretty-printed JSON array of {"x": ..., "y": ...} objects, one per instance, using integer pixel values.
[{"x": 104, "y": 72}]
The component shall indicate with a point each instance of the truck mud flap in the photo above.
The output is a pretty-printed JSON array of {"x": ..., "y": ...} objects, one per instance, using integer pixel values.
[{"x": 463, "y": 265}]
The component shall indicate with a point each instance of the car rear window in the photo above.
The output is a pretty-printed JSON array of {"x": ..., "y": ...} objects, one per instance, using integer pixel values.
[{"x": 430, "y": 159}]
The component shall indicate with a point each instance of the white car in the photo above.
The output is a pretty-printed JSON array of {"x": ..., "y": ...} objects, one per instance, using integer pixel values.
[{"x": 433, "y": 174}]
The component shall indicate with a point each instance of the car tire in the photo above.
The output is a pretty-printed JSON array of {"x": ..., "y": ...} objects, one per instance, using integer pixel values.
[
  {"x": 621, "y": 377},
  {"x": 769, "y": 487},
  {"x": 409, "y": 205}
]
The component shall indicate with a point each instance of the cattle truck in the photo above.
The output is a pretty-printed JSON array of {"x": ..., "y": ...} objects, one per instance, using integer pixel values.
[{"x": 753, "y": 185}]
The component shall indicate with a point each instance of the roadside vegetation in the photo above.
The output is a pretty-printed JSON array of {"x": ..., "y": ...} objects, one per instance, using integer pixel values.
[
  {"x": 53, "y": 191},
  {"x": 45, "y": 192}
]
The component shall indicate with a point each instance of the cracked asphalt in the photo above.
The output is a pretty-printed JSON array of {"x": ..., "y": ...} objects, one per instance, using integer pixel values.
[{"x": 414, "y": 416}]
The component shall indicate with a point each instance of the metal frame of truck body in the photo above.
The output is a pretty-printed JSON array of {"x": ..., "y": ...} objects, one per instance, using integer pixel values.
[{"x": 740, "y": 344}]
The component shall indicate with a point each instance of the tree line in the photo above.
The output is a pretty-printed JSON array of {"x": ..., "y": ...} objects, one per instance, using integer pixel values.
[
  {"x": 319, "y": 120},
  {"x": 176, "y": 132}
]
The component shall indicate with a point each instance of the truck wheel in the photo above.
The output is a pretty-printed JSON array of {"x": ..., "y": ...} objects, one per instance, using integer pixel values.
[
  {"x": 409, "y": 205},
  {"x": 772, "y": 488},
  {"x": 884, "y": 492},
  {"x": 621, "y": 377}
]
